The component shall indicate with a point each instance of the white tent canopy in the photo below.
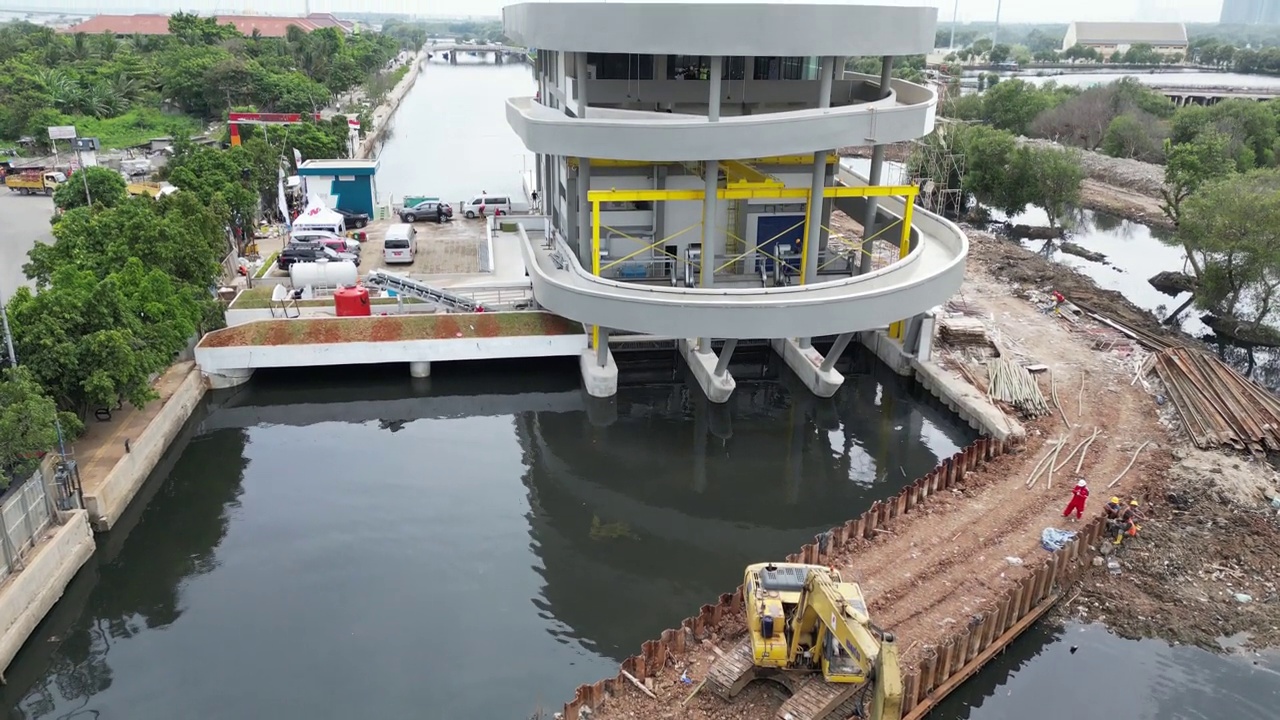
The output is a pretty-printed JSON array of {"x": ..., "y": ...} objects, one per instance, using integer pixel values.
[{"x": 317, "y": 216}]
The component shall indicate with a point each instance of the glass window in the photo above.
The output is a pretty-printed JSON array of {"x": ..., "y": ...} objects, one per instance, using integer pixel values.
[
  {"x": 780, "y": 68},
  {"x": 734, "y": 68},
  {"x": 621, "y": 66},
  {"x": 688, "y": 67}
]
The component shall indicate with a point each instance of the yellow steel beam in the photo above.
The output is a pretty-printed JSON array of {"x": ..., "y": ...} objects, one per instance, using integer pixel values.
[
  {"x": 753, "y": 193},
  {"x": 595, "y": 262},
  {"x": 740, "y": 173},
  {"x": 771, "y": 160}
]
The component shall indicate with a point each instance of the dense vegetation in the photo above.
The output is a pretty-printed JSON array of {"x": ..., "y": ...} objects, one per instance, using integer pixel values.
[
  {"x": 1245, "y": 49},
  {"x": 126, "y": 91},
  {"x": 1221, "y": 172}
]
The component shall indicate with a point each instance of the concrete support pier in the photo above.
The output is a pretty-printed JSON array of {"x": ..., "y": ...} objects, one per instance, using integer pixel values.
[
  {"x": 420, "y": 369},
  {"x": 228, "y": 378},
  {"x": 600, "y": 380},
  {"x": 712, "y": 372},
  {"x": 817, "y": 372}
]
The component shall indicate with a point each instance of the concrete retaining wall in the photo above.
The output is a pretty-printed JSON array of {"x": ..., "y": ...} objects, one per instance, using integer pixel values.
[
  {"x": 973, "y": 406},
  {"x": 27, "y": 596},
  {"x": 947, "y": 664},
  {"x": 113, "y": 494},
  {"x": 382, "y": 114},
  {"x": 219, "y": 359}
]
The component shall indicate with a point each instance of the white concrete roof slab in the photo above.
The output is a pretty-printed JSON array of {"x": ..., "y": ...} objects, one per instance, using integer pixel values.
[{"x": 723, "y": 28}]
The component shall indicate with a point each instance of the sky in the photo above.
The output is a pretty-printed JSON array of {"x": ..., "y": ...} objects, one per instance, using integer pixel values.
[{"x": 1014, "y": 11}]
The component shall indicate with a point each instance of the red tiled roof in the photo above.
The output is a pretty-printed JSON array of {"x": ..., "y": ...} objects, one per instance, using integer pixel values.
[{"x": 154, "y": 24}]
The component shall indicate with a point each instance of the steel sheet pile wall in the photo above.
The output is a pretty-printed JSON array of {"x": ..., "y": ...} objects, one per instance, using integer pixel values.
[{"x": 945, "y": 665}]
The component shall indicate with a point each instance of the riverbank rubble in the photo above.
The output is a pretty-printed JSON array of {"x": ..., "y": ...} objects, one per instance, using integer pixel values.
[{"x": 1204, "y": 566}]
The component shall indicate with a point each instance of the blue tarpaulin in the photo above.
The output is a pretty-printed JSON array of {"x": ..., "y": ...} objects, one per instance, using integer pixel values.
[{"x": 1053, "y": 539}]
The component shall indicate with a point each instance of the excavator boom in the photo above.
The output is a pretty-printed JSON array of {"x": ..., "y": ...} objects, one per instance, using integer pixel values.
[{"x": 827, "y": 627}]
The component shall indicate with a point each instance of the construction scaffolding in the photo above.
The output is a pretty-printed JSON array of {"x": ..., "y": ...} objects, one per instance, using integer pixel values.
[{"x": 938, "y": 168}]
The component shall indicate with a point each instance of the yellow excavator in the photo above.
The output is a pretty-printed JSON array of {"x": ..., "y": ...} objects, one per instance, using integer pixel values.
[{"x": 809, "y": 630}]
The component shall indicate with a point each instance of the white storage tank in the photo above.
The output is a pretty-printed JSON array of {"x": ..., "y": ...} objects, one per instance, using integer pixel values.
[{"x": 323, "y": 273}]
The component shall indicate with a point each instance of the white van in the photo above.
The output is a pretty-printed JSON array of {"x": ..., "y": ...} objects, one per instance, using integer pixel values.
[
  {"x": 504, "y": 204},
  {"x": 400, "y": 244}
]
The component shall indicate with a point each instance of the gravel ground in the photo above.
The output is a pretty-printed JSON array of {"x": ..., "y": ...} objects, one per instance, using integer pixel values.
[{"x": 1134, "y": 175}]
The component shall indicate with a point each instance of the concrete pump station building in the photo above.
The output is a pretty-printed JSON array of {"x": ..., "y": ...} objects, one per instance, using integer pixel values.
[{"x": 686, "y": 166}]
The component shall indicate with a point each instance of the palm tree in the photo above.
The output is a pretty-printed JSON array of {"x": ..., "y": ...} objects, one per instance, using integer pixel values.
[{"x": 80, "y": 46}]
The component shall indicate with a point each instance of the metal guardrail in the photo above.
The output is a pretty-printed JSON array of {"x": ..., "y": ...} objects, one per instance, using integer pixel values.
[{"x": 30, "y": 508}]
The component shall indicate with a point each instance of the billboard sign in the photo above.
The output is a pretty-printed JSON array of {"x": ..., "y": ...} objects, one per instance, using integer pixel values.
[
  {"x": 267, "y": 118},
  {"x": 62, "y": 132}
]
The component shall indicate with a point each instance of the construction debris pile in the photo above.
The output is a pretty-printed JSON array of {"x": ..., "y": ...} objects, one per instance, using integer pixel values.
[{"x": 1219, "y": 407}]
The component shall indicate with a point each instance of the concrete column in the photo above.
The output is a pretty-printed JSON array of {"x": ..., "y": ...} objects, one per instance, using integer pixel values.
[
  {"x": 877, "y": 168},
  {"x": 811, "y": 251},
  {"x": 825, "y": 77},
  {"x": 580, "y": 65},
  {"x": 584, "y": 212},
  {"x": 602, "y": 350},
  {"x": 713, "y": 98},
  {"x": 420, "y": 369},
  {"x": 709, "y": 206}
]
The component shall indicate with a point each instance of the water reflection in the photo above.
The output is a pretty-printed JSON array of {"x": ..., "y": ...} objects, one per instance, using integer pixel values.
[
  {"x": 1040, "y": 676},
  {"x": 325, "y": 549}
]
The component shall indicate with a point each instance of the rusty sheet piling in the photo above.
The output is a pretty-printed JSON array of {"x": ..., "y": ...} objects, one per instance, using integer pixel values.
[{"x": 947, "y": 664}]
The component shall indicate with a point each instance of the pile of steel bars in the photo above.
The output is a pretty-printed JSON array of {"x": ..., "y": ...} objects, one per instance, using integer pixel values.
[{"x": 1219, "y": 406}]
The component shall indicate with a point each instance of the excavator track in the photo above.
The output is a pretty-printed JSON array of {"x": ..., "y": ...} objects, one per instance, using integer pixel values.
[
  {"x": 817, "y": 699},
  {"x": 732, "y": 671}
]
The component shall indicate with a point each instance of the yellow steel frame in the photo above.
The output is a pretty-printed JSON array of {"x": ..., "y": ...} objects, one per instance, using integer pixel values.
[
  {"x": 749, "y": 187},
  {"x": 771, "y": 160}
]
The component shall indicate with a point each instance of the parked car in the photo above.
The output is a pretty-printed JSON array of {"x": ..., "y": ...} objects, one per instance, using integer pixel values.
[
  {"x": 426, "y": 209},
  {"x": 400, "y": 244},
  {"x": 337, "y": 242},
  {"x": 354, "y": 220},
  {"x": 311, "y": 252}
]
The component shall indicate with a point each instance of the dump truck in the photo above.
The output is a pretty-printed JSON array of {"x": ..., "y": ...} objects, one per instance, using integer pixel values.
[{"x": 34, "y": 182}]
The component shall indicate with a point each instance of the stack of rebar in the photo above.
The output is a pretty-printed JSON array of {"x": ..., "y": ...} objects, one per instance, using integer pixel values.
[
  {"x": 1012, "y": 383},
  {"x": 1219, "y": 406}
]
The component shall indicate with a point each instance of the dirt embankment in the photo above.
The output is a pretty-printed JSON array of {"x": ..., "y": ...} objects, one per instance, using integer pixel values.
[
  {"x": 1127, "y": 188},
  {"x": 1207, "y": 534}
]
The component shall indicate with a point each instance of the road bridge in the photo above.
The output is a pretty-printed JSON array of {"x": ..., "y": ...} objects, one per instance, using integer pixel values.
[
  {"x": 451, "y": 50},
  {"x": 1210, "y": 95}
]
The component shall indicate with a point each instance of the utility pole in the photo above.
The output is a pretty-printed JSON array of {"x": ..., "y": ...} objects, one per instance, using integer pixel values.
[
  {"x": 955, "y": 15},
  {"x": 995, "y": 36},
  {"x": 8, "y": 337},
  {"x": 88, "y": 199}
]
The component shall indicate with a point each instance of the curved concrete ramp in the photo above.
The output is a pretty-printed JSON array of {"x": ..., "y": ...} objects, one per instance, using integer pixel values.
[{"x": 926, "y": 278}]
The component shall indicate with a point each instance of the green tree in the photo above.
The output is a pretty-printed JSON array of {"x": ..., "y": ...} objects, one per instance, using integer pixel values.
[
  {"x": 91, "y": 342},
  {"x": 106, "y": 186},
  {"x": 1189, "y": 166},
  {"x": 28, "y": 424},
  {"x": 999, "y": 53},
  {"x": 177, "y": 234},
  {"x": 1128, "y": 136},
  {"x": 989, "y": 158},
  {"x": 1231, "y": 227},
  {"x": 1051, "y": 177},
  {"x": 1013, "y": 104}
]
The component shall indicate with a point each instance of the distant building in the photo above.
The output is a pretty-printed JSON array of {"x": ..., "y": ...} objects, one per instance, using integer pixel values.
[
  {"x": 155, "y": 24},
  {"x": 1109, "y": 38},
  {"x": 1250, "y": 12}
]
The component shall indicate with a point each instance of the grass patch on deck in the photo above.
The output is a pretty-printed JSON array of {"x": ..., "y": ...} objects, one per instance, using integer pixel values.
[{"x": 392, "y": 328}]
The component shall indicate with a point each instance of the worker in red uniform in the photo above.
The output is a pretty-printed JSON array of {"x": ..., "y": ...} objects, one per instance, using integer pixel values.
[{"x": 1079, "y": 494}]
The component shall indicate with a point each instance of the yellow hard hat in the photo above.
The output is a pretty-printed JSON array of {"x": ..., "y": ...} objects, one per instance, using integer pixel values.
[
  {"x": 1133, "y": 502},
  {"x": 1115, "y": 500}
]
